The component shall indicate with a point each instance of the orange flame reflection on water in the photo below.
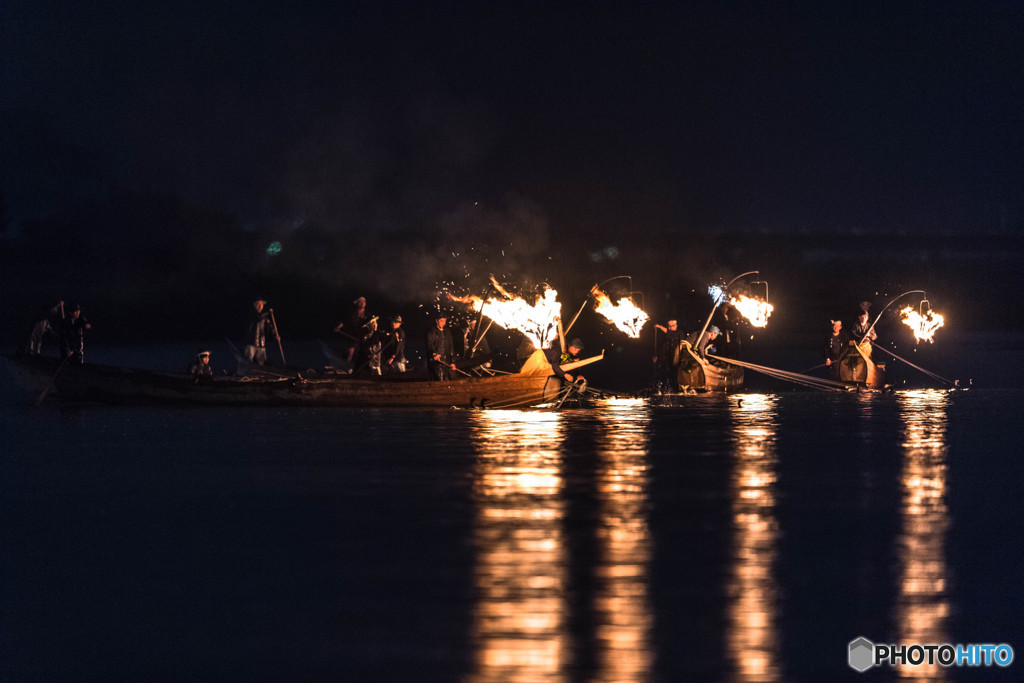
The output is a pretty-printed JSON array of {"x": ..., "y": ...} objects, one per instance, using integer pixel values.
[
  {"x": 622, "y": 609},
  {"x": 923, "y": 605},
  {"x": 520, "y": 575},
  {"x": 521, "y": 616},
  {"x": 752, "y": 641}
]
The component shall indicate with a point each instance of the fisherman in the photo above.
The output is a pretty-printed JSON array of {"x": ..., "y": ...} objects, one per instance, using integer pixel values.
[
  {"x": 837, "y": 345},
  {"x": 200, "y": 368},
  {"x": 556, "y": 358},
  {"x": 48, "y": 321},
  {"x": 728, "y": 320},
  {"x": 864, "y": 329},
  {"x": 440, "y": 349},
  {"x": 666, "y": 360},
  {"x": 705, "y": 345},
  {"x": 351, "y": 328},
  {"x": 370, "y": 342},
  {"x": 72, "y": 338},
  {"x": 393, "y": 349},
  {"x": 469, "y": 338},
  {"x": 260, "y": 324}
]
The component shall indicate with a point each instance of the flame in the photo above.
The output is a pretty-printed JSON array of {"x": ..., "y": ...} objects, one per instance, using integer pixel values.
[
  {"x": 924, "y": 326},
  {"x": 538, "y": 322},
  {"x": 754, "y": 310},
  {"x": 625, "y": 315}
]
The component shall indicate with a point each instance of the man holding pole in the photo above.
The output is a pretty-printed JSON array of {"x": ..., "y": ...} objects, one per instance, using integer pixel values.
[
  {"x": 440, "y": 349},
  {"x": 73, "y": 335},
  {"x": 666, "y": 358},
  {"x": 260, "y": 323}
]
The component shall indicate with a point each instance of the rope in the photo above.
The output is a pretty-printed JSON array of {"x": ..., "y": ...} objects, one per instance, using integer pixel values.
[
  {"x": 795, "y": 377},
  {"x": 916, "y": 367}
]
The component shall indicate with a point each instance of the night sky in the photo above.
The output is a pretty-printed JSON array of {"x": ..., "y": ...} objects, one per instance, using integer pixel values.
[{"x": 564, "y": 142}]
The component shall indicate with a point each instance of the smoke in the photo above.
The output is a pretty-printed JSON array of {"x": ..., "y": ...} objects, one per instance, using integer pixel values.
[
  {"x": 395, "y": 197},
  {"x": 379, "y": 168},
  {"x": 459, "y": 251}
]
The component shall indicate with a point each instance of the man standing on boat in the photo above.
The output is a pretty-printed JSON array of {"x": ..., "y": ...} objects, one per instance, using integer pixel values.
[
  {"x": 837, "y": 345},
  {"x": 863, "y": 329},
  {"x": 351, "y": 328},
  {"x": 556, "y": 358},
  {"x": 440, "y": 349},
  {"x": 72, "y": 338},
  {"x": 469, "y": 337},
  {"x": 370, "y": 343},
  {"x": 260, "y": 324},
  {"x": 393, "y": 350},
  {"x": 666, "y": 360}
]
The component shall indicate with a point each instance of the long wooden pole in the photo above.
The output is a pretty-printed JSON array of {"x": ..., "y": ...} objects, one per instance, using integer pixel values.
[
  {"x": 913, "y": 291},
  {"x": 718, "y": 302},
  {"x": 480, "y": 337},
  {"x": 916, "y": 367},
  {"x": 585, "y": 302},
  {"x": 277, "y": 335}
]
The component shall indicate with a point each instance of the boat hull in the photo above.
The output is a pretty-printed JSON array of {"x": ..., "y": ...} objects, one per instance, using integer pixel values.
[
  {"x": 704, "y": 376},
  {"x": 858, "y": 368},
  {"x": 109, "y": 384}
]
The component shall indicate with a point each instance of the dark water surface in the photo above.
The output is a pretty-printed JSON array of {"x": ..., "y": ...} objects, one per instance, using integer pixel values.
[{"x": 705, "y": 538}]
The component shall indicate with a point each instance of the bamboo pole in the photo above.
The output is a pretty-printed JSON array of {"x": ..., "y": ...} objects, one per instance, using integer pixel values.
[{"x": 277, "y": 335}]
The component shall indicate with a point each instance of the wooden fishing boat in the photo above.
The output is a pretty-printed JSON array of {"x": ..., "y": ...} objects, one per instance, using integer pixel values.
[
  {"x": 701, "y": 375},
  {"x": 533, "y": 385},
  {"x": 858, "y": 368}
]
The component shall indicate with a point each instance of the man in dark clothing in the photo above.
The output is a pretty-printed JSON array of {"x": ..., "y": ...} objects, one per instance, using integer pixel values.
[
  {"x": 729, "y": 320},
  {"x": 864, "y": 329},
  {"x": 370, "y": 343},
  {"x": 468, "y": 339},
  {"x": 260, "y": 326},
  {"x": 351, "y": 328},
  {"x": 557, "y": 358},
  {"x": 200, "y": 368},
  {"x": 666, "y": 362},
  {"x": 393, "y": 349},
  {"x": 72, "y": 337},
  {"x": 837, "y": 345},
  {"x": 440, "y": 350}
]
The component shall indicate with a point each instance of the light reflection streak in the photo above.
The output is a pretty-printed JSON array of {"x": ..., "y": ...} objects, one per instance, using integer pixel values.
[
  {"x": 923, "y": 605},
  {"x": 751, "y": 639},
  {"x": 521, "y": 567},
  {"x": 622, "y": 608}
]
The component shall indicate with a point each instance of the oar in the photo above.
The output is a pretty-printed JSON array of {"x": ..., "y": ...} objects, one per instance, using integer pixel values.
[
  {"x": 53, "y": 379},
  {"x": 277, "y": 334}
]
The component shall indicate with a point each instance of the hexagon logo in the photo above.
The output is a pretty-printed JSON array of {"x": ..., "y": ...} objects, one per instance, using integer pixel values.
[{"x": 862, "y": 654}]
